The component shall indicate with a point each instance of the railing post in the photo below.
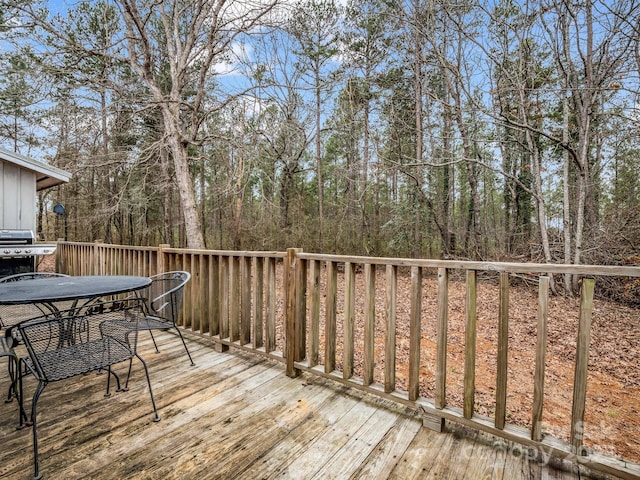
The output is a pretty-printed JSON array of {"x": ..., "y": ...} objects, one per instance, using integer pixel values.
[
  {"x": 59, "y": 257},
  {"x": 161, "y": 260},
  {"x": 295, "y": 328}
]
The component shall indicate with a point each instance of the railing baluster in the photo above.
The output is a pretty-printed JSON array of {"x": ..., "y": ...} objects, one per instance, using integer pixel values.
[
  {"x": 503, "y": 351},
  {"x": 245, "y": 300},
  {"x": 187, "y": 307},
  {"x": 271, "y": 305},
  {"x": 470, "y": 344},
  {"x": 224, "y": 294},
  {"x": 330, "y": 321},
  {"x": 441, "y": 334},
  {"x": 301, "y": 310},
  {"x": 314, "y": 313},
  {"x": 369, "y": 322},
  {"x": 258, "y": 305},
  {"x": 390, "y": 339},
  {"x": 582, "y": 361},
  {"x": 234, "y": 299},
  {"x": 213, "y": 299},
  {"x": 349, "y": 319},
  {"x": 199, "y": 313},
  {"x": 415, "y": 333},
  {"x": 541, "y": 353}
]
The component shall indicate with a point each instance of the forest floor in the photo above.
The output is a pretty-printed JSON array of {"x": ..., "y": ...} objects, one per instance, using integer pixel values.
[{"x": 612, "y": 420}]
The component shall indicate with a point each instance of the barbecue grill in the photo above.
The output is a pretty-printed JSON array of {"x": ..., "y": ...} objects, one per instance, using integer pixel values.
[{"x": 18, "y": 251}]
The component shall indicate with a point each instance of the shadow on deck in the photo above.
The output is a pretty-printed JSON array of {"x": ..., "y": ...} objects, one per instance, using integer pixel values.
[{"x": 238, "y": 416}]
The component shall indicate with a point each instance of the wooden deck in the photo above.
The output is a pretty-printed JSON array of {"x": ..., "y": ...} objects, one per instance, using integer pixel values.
[{"x": 238, "y": 416}]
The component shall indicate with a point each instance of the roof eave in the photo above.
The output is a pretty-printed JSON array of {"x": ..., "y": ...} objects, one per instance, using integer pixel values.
[{"x": 46, "y": 175}]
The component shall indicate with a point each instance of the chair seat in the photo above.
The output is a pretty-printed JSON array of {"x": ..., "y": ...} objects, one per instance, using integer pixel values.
[
  {"x": 81, "y": 358},
  {"x": 154, "y": 323}
]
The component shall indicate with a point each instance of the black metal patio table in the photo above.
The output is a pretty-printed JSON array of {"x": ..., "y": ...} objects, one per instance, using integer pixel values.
[{"x": 49, "y": 291}]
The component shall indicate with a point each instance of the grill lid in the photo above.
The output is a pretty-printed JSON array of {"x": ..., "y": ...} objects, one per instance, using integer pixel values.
[{"x": 16, "y": 236}]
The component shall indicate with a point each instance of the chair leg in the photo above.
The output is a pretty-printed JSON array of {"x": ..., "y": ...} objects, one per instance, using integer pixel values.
[
  {"x": 153, "y": 402},
  {"x": 24, "y": 421},
  {"x": 154, "y": 341},
  {"x": 36, "y": 468},
  {"x": 185, "y": 346},
  {"x": 13, "y": 376},
  {"x": 126, "y": 384},
  {"x": 115, "y": 375}
]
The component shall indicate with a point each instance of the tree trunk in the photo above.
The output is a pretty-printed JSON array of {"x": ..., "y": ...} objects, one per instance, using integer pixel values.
[
  {"x": 566, "y": 207},
  {"x": 319, "y": 161},
  {"x": 180, "y": 154},
  {"x": 417, "y": 75}
]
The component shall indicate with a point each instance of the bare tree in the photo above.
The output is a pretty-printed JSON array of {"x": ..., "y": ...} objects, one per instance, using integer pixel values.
[
  {"x": 589, "y": 62},
  {"x": 315, "y": 27},
  {"x": 196, "y": 35},
  {"x": 174, "y": 47}
]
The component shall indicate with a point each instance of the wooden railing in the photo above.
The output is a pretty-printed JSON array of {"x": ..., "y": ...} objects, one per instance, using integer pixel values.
[{"x": 342, "y": 318}]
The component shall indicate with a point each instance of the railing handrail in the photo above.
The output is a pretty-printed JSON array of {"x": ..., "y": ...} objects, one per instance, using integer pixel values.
[{"x": 509, "y": 267}]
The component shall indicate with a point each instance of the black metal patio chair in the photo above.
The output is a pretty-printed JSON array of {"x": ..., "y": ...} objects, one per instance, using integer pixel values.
[
  {"x": 74, "y": 342},
  {"x": 12, "y": 315},
  {"x": 163, "y": 301}
]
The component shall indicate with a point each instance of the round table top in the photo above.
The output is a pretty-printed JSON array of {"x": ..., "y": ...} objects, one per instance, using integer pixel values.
[{"x": 56, "y": 289}]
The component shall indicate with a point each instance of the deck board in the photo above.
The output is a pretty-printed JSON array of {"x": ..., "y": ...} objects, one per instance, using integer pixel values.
[{"x": 238, "y": 416}]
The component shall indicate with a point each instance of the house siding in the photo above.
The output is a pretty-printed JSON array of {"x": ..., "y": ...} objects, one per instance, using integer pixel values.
[{"x": 17, "y": 197}]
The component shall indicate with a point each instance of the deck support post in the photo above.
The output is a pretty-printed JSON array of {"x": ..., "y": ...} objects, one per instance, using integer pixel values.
[{"x": 432, "y": 422}]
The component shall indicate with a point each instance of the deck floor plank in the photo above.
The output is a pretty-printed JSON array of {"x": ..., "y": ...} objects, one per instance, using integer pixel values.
[
  {"x": 276, "y": 460},
  {"x": 223, "y": 397},
  {"x": 357, "y": 448},
  {"x": 422, "y": 452},
  {"x": 187, "y": 446},
  {"x": 319, "y": 450},
  {"x": 384, "y": 457},
  {"x": 238, "y": 416}
]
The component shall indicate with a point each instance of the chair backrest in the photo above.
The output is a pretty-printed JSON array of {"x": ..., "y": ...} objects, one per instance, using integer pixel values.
[
  {"x": 76, "y": 341},
  {"x": 164, "y": 296},
  {"x": 14, "y": 314}
]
